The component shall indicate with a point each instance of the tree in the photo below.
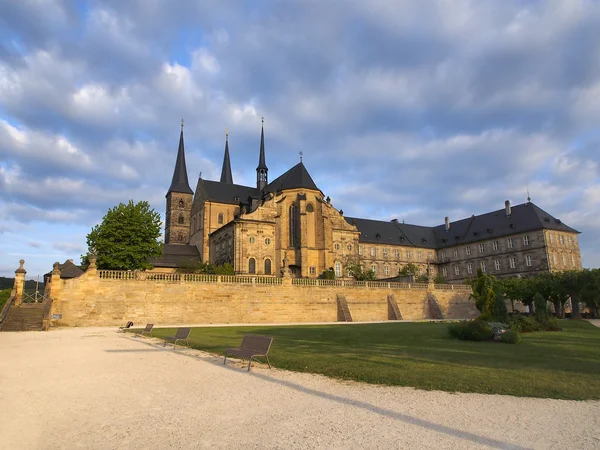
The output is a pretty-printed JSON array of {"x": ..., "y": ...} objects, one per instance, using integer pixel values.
[
  {"x": 499, "y": 310},
  {"x": 356, "y": 271},
  {"x": 127, "y": 238},
  {"x": 408, "y": 270},
  {"x": 571, "y": 281},
  {"x": 590, "y": 291},
  {"x": 484, "y": 287}
]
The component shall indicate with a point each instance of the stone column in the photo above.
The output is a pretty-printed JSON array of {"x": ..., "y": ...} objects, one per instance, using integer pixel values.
[{"x": 19, "y": 285}]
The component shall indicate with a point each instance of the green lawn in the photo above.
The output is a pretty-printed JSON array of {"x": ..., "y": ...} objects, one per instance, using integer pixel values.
[{"x": 562, "y": 364}]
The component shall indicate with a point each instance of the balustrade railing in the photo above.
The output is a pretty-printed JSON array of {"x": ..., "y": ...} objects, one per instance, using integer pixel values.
[{"x": 248, "y": 279}]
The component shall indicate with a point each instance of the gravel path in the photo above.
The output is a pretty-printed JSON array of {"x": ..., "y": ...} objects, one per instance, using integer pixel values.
[{"x": 95, "y": 388}]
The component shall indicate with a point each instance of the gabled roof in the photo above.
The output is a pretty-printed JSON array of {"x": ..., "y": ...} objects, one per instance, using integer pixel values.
[
  {"x": 215, "y": 191},
  {"x": 296, "y": 177},
  {"x": 393, "y": 233},
  {"x": 180, "y": 183},
  {"x": 176, "y": 255},
  {"x": 523, "y": 218}
]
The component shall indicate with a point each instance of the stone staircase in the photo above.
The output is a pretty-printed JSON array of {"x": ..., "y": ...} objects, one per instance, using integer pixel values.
[
  {"x": 343, "y": 310},
  {"x": 393, "y": 309},
  {"x": 25, "y": 317}
]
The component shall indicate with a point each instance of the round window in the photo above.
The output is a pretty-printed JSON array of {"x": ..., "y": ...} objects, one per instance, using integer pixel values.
[
  {"x": 252, "y": 239},
  {"x": 267, "y": 241},
  {"x": 337, "y": 246}
]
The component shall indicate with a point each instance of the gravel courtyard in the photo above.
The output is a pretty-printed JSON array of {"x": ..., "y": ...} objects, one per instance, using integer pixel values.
[{"x": 95, "y": 388}]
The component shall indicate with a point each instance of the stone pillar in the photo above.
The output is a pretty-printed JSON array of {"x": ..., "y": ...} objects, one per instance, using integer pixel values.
[
  {"x": 92, "y": 269},
  {"x": 19, "y": 285},
  {"x": 55, "y": 280}
]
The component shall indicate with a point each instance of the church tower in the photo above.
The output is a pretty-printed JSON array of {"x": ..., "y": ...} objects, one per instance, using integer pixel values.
[
  {"x": 262, "y": 171},
  {"x": 179, "y": 201},
  {"x": 226, "y": 176}
]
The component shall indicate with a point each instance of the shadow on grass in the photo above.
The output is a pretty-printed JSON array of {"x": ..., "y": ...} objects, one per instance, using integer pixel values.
[{"x": 481, "y": 440}]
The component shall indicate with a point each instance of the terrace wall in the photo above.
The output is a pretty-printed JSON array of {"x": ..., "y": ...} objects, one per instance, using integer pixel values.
[{"x": 103, "y": 298}]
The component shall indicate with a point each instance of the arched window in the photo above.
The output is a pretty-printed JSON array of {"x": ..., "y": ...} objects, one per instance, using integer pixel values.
[
  {"x": 220, "y": 218},
  {"x": 180, "y": 220},
  {"x": 180, "y": 237},
  {"x": 309, "y": 208},
  {"x": 252, "y": 266},
  {"x": 267, "y": 267},
  {"x": 293, "y": 225},
  {"x": 338, "y": 269},
  {"x": 181, "y": 203}
]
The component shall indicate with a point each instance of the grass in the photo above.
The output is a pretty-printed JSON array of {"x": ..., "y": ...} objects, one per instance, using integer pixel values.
[{"x": 563, "y": 365}]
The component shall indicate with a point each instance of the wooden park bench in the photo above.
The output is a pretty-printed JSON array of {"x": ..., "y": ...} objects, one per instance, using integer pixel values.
[
  {"x": 252, "y": 346},
  {"x": 126, "y": 327},
  {"x": 147, "y": 330},
  {"x": 181, "y": 335}
]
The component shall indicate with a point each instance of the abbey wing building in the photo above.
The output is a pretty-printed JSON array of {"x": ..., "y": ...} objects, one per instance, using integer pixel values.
[{"x": 289, "y": 227}]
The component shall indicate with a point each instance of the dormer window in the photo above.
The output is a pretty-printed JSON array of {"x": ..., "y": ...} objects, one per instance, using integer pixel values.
[{"x": 378, "y": 236}]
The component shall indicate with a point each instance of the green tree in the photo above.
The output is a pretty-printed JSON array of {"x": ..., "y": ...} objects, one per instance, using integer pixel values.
[
  {"x": 409, "y": 269},
  {"x": 356, "y": 271},
  {"x": 328, "y": 274},
  {"x": 571, "y": 281},
  {"x": 127, "y": 238},
  {"x": 590, "y": 291},
  {"x": 484, "y": 291},
  {"x": 541, "y": 307},
  {"x": 499, "y": 310}
]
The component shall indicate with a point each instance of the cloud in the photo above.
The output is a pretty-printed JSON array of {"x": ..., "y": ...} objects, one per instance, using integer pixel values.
[{"x": 414, "y": 110}]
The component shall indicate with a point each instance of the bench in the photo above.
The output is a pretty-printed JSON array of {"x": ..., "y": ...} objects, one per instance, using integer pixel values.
[
  {"x": 122, "y": 329},
  {"x": 147, "y": 330},
  {"x": 181, "y": 335},
  {"x": 252, "y": 346}
]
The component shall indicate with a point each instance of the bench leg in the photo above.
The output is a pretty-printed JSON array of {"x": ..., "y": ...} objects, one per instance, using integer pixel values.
[
  {"x": 266, "y": 356},
  {"x": 249, "y": 362},
  {"x": 225, "y": 360}
]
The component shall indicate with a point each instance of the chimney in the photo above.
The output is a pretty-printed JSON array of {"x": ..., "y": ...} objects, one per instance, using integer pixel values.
[
  {"x": 507, "y": 207},
  {"x": 70, "y": 260},
  {"x": 447, "y": 220}
]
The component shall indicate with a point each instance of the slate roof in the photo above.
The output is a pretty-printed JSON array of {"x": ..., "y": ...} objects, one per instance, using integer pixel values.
[
  {"x": 261, "y": 158},
  {"x": 523, "y": 218},
  {"x": 226, "y": 176},
  {"x": 393, "y": 233},
  {"x": 180, "y": 183},
  {"x": 69, "y": 270},
  {"x": 176, "y": 255},
  {"x": 296, "y": 177},
  {"x": 216, "y": 191}
]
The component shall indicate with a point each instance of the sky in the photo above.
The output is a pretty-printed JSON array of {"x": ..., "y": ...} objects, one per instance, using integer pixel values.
[{"x": 413, "y": 110}]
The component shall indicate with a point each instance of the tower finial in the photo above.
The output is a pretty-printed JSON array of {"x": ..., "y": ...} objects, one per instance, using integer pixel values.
[
  {"x": 262, "y": 119},
  {"x": 181, "y": 124},
  {"x": 528, "y": 197},
  {"x": 226, "y": 134},
  {"x": 301, "y": 156}
]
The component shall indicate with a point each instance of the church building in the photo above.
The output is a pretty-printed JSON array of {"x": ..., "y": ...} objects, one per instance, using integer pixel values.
[{"x": 288, "y": 226}]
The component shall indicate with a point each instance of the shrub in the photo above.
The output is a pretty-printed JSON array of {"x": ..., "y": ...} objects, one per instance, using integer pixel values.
[
  {"x": 510, "y": 337},
  {"x": 541, "y": 307},
  {"x": 474, "y": 330},
  {"x": 498, "y": 328},
  {"x": 549, "y": 323},
  {"x": 522, "y": 323}
]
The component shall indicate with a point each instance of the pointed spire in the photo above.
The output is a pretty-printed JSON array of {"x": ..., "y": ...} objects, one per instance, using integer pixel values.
[
  {"x": 226, "y": 176},
  {"x": 262, "y": 170},
  {"x": 180, "y": 179}
]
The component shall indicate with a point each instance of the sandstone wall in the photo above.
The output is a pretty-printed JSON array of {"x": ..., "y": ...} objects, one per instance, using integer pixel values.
[{"x": 93, "y": 301}]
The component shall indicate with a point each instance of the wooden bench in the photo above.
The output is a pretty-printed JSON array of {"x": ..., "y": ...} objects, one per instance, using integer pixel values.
[
  {"x": 252, "y": 346},
  {"x": 147, "y": 330},
  {"x": 126, "y": 327},
  {"x": 181, "y": 335}
]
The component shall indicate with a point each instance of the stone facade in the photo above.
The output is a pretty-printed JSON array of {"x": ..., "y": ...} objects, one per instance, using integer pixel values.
[
  {"x": 522, "y": 254},
  {"x": 177, "y": 218}
]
